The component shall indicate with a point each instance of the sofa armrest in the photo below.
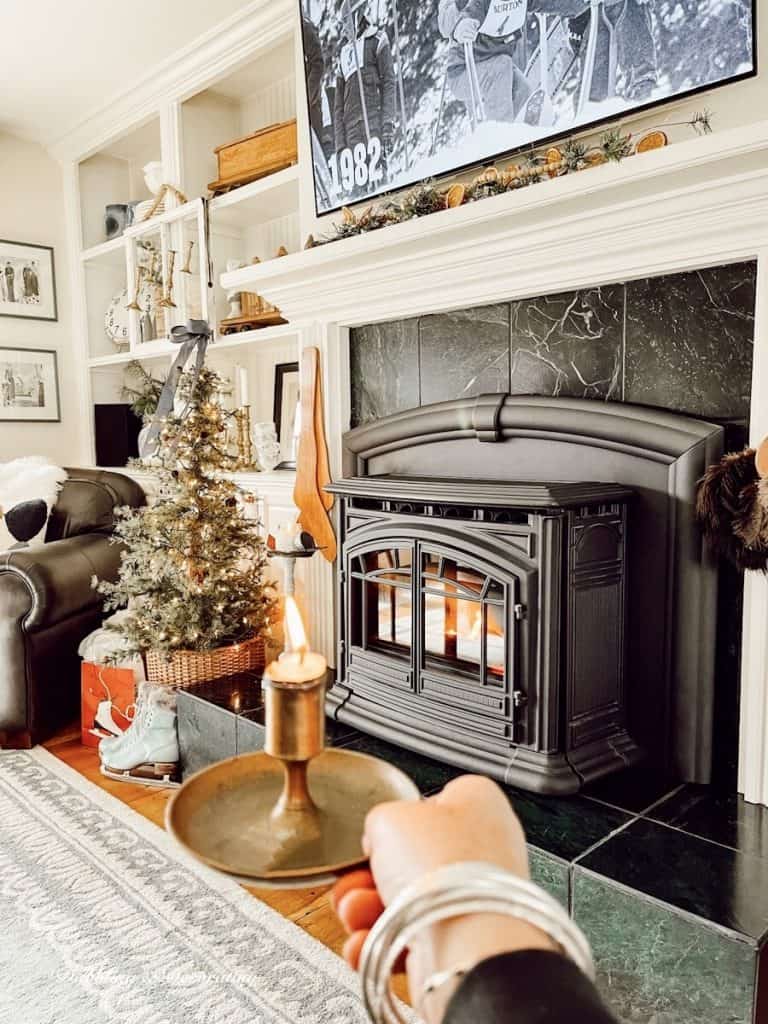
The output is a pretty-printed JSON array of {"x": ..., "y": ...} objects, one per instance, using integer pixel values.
[{"x": 58, "y": 576}]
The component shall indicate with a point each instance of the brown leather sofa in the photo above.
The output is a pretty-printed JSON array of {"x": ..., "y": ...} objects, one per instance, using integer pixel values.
[{"x": 47, "y": 606}]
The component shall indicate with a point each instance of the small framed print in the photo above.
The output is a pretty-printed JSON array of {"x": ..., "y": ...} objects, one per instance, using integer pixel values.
[
  {"x": 286, "y": 405},
  {"x": 29, "y": 386},
  {"x": 27, "y": 281}
]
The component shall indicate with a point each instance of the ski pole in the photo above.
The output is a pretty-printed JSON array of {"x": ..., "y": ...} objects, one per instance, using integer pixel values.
[
  {"x": 588, "y": 69},
  {"x": 438, "y": 122},
  {"x": 478, "y": 91},
  {"x": 613, "y": 56},
  {"x": 544, "y": 53},
  {"x": 474, "y": 81},
  {"x": 401, "y": 88},
  {"x": 472, "y": 110}
]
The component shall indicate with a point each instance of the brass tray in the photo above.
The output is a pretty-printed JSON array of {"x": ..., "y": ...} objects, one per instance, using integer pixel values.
[{"x": 224, "y": 814}]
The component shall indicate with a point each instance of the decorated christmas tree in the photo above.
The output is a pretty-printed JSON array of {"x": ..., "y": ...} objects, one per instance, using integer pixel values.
[{"x": 192, "y": 567}]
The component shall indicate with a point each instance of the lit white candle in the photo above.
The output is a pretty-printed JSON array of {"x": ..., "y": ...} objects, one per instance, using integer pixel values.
[{"x": 297, "y": 664}]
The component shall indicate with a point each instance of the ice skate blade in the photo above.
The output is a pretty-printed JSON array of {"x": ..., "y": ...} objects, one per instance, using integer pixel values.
[
  {"x": 163, "y": 775},
  {"x": 224, "y": 814}
]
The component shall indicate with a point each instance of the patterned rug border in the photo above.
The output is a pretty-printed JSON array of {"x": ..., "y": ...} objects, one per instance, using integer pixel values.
[{"x": 229, "y": 889}]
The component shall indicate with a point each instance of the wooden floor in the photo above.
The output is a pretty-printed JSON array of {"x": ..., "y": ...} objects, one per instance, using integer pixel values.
[{"x": 309, "y": 908}]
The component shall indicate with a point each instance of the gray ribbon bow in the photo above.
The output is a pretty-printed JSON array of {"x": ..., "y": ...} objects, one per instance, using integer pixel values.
[{"x": 194, "y": 335}]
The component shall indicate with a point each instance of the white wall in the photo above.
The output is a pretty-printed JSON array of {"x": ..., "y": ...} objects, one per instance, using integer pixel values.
[{"x": 32, "y": 210}]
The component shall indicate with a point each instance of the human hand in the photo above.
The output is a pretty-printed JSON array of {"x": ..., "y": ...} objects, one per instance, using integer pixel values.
[
  {"x": 471, "y": 820},
  {"x": 466, "y": 30}
]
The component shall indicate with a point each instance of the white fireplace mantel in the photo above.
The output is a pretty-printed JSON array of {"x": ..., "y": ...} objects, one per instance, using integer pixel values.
[
  {"x": 698, "y": 203},
  {"x": 695, "y": 203}
]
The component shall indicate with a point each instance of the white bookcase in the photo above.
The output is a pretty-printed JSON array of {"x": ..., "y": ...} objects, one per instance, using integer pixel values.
[
  {"x": 243, "y": 76},
  {"x": 234, "y": 82}
]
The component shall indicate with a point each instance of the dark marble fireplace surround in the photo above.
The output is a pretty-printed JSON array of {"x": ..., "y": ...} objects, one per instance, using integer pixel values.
[{"x": 681, "y": 342}]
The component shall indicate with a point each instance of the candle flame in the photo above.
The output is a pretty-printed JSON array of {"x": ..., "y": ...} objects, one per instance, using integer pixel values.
[{"x": 295, "y": 634}]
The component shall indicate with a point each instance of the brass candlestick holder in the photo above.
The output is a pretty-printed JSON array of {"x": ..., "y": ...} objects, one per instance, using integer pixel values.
[
  {"x": 243, "y": 438},
  {"x": 187, "y": 268},
  {"x": 166, "y": 300},
  {"x": 297, "y": 809},
  {"x": 134, "y": 303}
]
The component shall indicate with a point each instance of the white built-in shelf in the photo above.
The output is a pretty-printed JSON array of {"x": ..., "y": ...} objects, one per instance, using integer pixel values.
[
  {"x": 117, "y": 359},
  {"x": 162, "y": 347},
  {"x": 113, "y": 250},
  {"x": 263, "y": 335},
  {"x": 266, "y": 199}
]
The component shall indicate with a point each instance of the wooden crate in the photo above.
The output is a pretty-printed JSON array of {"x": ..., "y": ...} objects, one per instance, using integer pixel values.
[{"x": 254, "y": 156}]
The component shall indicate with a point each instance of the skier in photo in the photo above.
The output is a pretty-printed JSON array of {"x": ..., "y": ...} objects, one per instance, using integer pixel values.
[
  {"x": 624, "y": 43},
  {"x": 315, "y": 64},
  {"x": 623, "y": 57},
  {"x": 364, "y": 97},
  {"x": 492, "y": 29}
]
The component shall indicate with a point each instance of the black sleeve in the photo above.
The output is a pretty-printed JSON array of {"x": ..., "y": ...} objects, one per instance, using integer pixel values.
[
  {"x": 386, "y": 70},
  {"x": 339, "y": 127},
  {"x": 529, "y": 987}
]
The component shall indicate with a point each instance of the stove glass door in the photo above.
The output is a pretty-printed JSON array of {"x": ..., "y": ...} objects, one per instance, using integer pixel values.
[
  {"x": 464, "y": 611},
  {"x": 383, "y": 581}
]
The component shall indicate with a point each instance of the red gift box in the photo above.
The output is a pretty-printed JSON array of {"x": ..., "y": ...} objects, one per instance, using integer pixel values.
[{"x": 99, "y": 683}]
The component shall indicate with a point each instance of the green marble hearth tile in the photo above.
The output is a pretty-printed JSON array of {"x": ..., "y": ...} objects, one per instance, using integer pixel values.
[
  {"x": 659, "y": 967},
  {"x": 565, "y": 826},
  {"x": 550, "y": 873},
  {"x": 693, "y": 875},
  {"x": 428, "y": 774}
]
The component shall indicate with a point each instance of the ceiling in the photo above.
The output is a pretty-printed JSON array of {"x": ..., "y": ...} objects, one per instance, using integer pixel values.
[{"x": 61, "y": 60}]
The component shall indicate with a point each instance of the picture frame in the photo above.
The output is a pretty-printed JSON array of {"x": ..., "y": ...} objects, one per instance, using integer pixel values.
[
  {"x": 285, "y": 407},
  {"x": 27, "y": 281},
  {"x": 29, "y": 386},
  {"x": 516, "y": 77}
]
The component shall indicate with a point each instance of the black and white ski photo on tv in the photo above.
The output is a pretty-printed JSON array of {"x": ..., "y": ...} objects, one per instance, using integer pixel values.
[{"x": 404, "y": 90}]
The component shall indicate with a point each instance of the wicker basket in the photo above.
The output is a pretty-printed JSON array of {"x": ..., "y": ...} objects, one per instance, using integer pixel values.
[{"x": 187, "y": 668}]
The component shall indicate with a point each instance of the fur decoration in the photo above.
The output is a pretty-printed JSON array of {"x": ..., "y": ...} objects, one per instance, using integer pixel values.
[
  {"x": 732, "y": 510},
  {"x": 29, "y": 488}
]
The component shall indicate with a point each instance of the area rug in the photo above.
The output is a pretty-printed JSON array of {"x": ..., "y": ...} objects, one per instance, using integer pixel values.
[{"x": 105, "y": 920}]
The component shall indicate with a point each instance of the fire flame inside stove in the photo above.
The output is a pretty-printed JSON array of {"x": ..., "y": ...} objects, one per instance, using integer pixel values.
[{"x": 295, "y": 634}]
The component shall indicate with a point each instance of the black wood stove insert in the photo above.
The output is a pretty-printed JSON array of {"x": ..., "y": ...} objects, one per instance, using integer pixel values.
[{"x": 503, "y": 611}]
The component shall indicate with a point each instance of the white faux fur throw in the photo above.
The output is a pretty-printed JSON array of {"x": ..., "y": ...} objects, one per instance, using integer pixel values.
[{"x": 29, "y": 488}]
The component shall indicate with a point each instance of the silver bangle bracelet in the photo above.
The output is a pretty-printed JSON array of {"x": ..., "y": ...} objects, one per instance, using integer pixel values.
[{"x": 452, "y": 891}]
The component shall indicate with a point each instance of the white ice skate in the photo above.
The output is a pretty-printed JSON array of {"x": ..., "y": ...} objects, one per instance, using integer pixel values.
[
  {"x": 110, "y": 744},
  {"x": 147, "y": 752},
  {"x": 104, "y": 725}
]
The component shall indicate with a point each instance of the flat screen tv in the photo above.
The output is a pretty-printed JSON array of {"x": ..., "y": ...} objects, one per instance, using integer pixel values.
[{"x": 403, "y": 90}]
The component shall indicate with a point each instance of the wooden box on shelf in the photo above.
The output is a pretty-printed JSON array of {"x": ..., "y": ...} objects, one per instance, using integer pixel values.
[
  {"x": 254, "y": 156},
  {"x": 255, "y": 312}
]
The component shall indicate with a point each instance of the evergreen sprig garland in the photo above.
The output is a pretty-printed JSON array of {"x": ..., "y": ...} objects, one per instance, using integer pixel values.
[
  {"x": 192, "y": 566},
  {"x": 428, "y": 197}
]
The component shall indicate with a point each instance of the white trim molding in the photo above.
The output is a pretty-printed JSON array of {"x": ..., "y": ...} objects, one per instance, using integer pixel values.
[{"x": 697, "y": 203}]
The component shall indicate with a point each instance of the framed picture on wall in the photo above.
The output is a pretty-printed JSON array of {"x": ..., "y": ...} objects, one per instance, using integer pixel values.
[
  {"x": 27, "y": 281},
  {"x": 29, "y": 386},
  {"x": 286, "y": 407}
]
